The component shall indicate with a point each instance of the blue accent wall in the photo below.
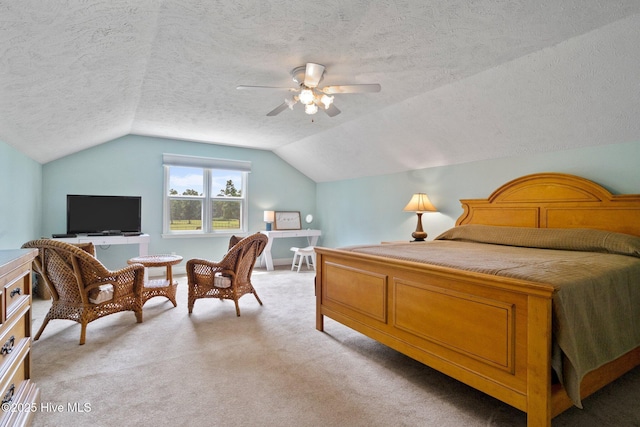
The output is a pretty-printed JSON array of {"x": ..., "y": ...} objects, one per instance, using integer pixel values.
[
  {"x": 369, "y": 210},
  {"x": 20, "y": 198}
]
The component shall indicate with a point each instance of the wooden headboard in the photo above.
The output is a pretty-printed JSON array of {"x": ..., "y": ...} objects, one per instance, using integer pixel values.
[{"x": 555, "y": 200}]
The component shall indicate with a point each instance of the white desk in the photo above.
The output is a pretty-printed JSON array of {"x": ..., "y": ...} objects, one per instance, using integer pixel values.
[
  {"x": 311, "y": 235},
  {"x": 142, "y": 241}
]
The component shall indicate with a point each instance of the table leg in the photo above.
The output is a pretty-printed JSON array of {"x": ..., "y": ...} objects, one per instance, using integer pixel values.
[
  {"x": 313, "y": 241},
  {"x": 266, "y": 253}
]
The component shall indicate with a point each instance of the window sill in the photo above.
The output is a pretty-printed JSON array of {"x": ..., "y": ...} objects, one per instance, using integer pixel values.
[{"x": 201, "y": 235}]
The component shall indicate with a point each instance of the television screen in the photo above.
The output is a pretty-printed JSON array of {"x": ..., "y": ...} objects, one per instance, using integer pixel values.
[{"x": 97, "y": 214}]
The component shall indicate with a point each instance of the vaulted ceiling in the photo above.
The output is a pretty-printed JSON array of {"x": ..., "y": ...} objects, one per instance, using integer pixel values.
[{"x": 461, "y": 80}]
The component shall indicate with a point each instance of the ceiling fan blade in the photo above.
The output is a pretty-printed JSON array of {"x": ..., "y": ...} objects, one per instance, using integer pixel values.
[
  {"x": 313, "y": 74},
  {"x": 279, "y": 109},
  {"x": 331, "y": 111},
  {"x": 374, "y": 87},
  {"x": 244, "y": 87}
]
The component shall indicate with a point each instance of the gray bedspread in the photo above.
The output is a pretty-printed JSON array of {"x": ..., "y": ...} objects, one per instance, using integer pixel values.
[{"x": 596, "y": 274}]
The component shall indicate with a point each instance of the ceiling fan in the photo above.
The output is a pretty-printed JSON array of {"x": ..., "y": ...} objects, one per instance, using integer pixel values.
[{"x": 308, "y": 77}]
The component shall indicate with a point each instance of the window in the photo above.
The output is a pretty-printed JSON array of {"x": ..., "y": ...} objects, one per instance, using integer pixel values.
[{"x": 204, "y": 196}]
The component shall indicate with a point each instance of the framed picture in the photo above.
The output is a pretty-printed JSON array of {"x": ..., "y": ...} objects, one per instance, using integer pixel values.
[{"x": 287, "y": 220}]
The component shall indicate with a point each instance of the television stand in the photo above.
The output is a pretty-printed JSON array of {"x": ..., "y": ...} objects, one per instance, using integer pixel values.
[
  {"x": 111, "y": 233},
  {"x": 141, "y": 240}
]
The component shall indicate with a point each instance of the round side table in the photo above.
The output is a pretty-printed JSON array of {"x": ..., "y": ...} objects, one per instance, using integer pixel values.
[{"x": 159, "y": 287}]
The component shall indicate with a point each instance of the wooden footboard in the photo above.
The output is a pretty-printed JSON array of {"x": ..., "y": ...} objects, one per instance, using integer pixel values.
[{"x": 491, "y": 333}]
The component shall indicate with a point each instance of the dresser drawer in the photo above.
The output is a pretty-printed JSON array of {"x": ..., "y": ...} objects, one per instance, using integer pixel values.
[
  {"x": 13, "y": 333},
  {"x": 15, "y": 373},
  {"x": 12, "y": 386},
  {"x": 25, "y": 404},
  {"x": 15, "y": 275},
  {"x": 19, "y": 396},
  {"x": 17, "y": 278},
  {"x": 15, "y": 291}
]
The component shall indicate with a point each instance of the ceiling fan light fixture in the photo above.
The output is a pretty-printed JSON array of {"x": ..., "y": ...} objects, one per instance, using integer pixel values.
[
  {"x": 311, "y": 108},
  {"x": 306, "y": 96},
  {"x": 326, "y": 101},
  {"x": 308, "y": 92}
]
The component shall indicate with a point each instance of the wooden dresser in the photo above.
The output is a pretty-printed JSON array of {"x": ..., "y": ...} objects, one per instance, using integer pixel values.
[{"x": 20, "y": 396}]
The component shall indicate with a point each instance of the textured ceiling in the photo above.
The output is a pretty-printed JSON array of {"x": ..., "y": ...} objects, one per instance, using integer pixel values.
[{"x": 461, "y": 80}]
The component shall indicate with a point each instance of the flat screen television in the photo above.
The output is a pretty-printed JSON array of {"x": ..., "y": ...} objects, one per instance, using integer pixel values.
[{"x": 98, "y": 214}]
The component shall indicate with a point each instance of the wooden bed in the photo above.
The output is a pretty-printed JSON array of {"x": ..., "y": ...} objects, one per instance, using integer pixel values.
[{"x": 508, "y": 353}]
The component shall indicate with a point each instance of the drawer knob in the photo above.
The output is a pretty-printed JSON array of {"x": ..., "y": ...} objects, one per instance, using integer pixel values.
[
  {"x": 8, "y": 346},
  {"x": 8, "y": 397},
  {"x": 16, "y": 291}
]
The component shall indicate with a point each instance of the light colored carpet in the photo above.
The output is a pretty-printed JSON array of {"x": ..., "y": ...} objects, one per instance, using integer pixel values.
[{"x": 269, "y": 367}]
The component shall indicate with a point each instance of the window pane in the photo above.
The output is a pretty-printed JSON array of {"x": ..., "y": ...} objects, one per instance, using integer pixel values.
[
  {"x": 186, "y": 181},
  {"x": 204, "y": 200},
  {"x": 226, "y": 214},
  {"x": 186, "y": 215},
  {"x": 226, "y": 183}
]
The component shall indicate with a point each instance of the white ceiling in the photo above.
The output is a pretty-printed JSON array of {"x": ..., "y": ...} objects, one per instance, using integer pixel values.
[{"x": 461, "y": 80}]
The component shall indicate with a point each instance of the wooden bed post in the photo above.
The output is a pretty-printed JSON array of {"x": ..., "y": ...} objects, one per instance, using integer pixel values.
[
  {"x": 539, "y": 362},
  {"x": 318, "y": 285}
]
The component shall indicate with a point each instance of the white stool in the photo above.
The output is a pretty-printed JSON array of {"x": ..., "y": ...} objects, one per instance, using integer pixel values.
[{"x": 308, "y": 254}]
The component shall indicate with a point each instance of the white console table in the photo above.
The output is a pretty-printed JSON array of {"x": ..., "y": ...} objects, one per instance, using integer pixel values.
[
  {"x": 142, "y": 241},
  {"x": 311, "y": 235}
]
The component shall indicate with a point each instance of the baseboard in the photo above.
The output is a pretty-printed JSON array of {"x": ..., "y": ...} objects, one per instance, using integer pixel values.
[
  {"x": 277, "y": 261},
  {"x": 181, "y": 269}
]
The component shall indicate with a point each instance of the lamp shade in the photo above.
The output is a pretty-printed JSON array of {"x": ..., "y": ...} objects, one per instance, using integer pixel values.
[
  {"x": 420, "y": 203},
  {"x": 269, "y": 216}
]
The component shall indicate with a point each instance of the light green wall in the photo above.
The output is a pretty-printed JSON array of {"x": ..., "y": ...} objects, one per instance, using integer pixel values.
[
  {"x": 132, "y": 165},
  {"x": 20, "y": 198},
  {"x": 369, "y": 210}
]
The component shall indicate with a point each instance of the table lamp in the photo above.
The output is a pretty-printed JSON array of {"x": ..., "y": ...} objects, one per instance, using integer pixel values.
[
  {"x": 269, "y": 217},
  {"x": 419, "y": 203}
]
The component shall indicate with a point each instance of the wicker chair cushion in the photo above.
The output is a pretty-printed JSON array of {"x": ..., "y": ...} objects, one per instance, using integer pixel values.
[
  {"x": 101, "y": 294},
  {"x": 220, "y": 281}
]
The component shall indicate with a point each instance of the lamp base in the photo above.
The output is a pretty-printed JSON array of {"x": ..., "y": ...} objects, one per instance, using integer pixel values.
[
  {"x": 419, "y": 235},
  {"x": 268, "y": 226}
]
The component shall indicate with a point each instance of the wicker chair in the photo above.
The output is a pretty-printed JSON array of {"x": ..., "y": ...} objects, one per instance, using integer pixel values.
[
  {"x": 82, "y": 289},
  {"x": 229, "y": 278}
]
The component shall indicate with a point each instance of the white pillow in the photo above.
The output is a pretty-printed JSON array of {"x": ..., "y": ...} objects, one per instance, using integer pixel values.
[
  {"x": 101, "y": 294},
  {"x": 220, "y": 281}
]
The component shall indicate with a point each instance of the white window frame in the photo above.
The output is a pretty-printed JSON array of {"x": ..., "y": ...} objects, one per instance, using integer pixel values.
[{"x": 207, "y": 165}]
